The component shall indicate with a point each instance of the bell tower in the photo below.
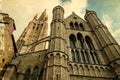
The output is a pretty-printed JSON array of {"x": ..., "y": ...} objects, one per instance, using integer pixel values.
[{"x": 56, "y": 59}]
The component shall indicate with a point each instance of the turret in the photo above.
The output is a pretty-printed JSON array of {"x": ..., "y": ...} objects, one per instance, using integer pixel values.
[
  {"x": 58, "y": 29},
  {"x": 108, "y": 44},
  {"x": 92, "y": 18},
  {"x": 58, "y": 12},
  {"x": 56, "y": 59}
]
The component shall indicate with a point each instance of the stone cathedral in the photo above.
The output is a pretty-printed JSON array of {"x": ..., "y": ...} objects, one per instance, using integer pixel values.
[{"x": 76, "y": 49}]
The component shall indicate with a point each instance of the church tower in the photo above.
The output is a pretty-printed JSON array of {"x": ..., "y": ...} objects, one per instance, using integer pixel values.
[
  {"x": 36, "y": 30},
  {"x": 57, "y": 58}
]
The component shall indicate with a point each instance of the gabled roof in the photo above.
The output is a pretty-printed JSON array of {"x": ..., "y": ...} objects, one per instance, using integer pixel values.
[{"x": 72, "y": 16}]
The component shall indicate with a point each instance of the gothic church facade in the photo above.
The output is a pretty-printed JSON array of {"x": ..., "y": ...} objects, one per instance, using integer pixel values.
[{"x": 77, "y": 49}]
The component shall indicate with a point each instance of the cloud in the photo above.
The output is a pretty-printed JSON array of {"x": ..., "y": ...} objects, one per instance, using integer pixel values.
[
  {"x": 116, "y": 35},
  {"x": 77, "y": 6},
  {"x": 108, "y": 21}
]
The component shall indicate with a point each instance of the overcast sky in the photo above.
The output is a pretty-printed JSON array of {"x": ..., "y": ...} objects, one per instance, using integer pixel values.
[{"x": 23, "y": 11}]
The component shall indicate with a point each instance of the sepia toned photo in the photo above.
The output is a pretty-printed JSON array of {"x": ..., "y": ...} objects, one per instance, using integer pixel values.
[{"x": 59, "y": 39}]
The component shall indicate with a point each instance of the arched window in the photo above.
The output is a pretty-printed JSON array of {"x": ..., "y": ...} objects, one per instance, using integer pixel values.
[
  {"x": 76, "y": 26},
  {"x": 87, "y": 57},
  {"x": 81, "y": 26},
  {"x": 83, "y": 57},
  {"x": 89, "y": 43},
  {"x": 41, "y": 75},
  {"x": 72, "y": 41},
  {"x": 73, "y": 55},
  {"x": 33, "y": 27},
  {"x": 72, "y": 46},
  {"x": 37, "y": 28},
  {"x": 71, "y": 25},
  {"x": 93, "y": 54},
  {"x": 93, "y": 58},
  {"x": 96, "y": 58},
  {"x": 35, "y": 73},
  {"x": 80, "y": 40},
  {"x": 77, "y": 56},
  {"x": 27, "y": 75}
]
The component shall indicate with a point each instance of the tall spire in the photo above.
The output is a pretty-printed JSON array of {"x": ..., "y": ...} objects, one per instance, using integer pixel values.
[{"x": 43, "y": 15}]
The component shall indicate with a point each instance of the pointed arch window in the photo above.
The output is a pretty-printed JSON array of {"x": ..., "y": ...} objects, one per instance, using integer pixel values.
[
  {"x": 81, "y": 26},
  {"x": 87, "y": 57},
  {"x": 89, "y": 43},
  {"x": 41, "y": 75},
  {"x": 95, "y": 57},
  {"x": 83, "y": 57},
  {"x": 37, "y": 28},
  {"x": 73, "y": 55},
  {"x": 27, "y": 75},
  {"x": 33, "y": 27},
  {"x": 76, "y": 26},
  {"x": 71, "y": 25},
  {"x": 77, "y": 56},
  {"x": 72, "y": 46},
  {"x": 35, "y": 73},
  {"x": 80, "y": 40},
  {"x": 72, "y": 41}
]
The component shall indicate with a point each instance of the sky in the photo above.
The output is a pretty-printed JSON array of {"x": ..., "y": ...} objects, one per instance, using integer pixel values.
[{"x": 23, "y": 11}]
